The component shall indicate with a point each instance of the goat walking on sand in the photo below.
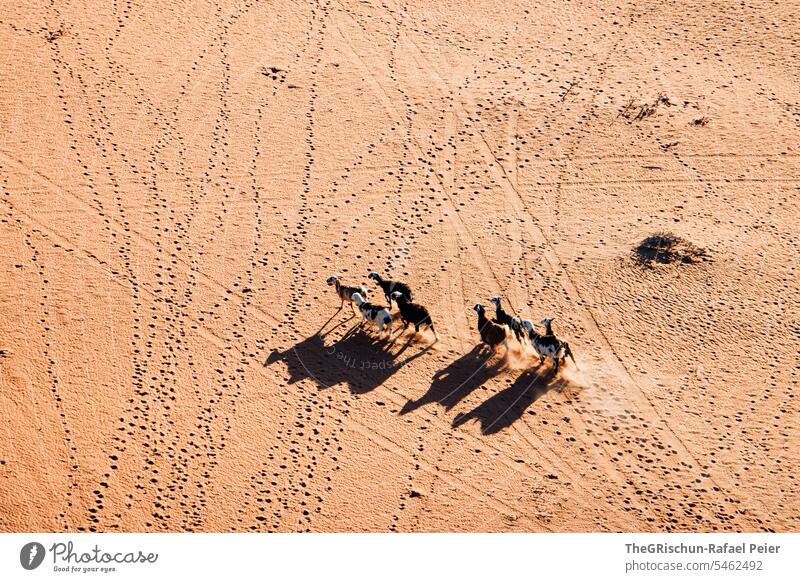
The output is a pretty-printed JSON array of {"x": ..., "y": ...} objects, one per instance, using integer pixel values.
[
  {"x": 390, "y": 287},
  {"x": 375, "y": 315},
  {"x": 549, "y": 346},
  {"x": 413, "y": 313},
  {"x": 504, "y": 318},
  {"x": 345, "y": 292},
  {"x": 492, "y": 334}
]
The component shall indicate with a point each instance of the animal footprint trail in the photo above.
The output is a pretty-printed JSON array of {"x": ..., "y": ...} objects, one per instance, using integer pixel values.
[
  {"x": 124, "y": 251},
  {"x": 296, "y": 503},
  {"x": 72, "y": 493},
  {"x": 171, "y": 337}
]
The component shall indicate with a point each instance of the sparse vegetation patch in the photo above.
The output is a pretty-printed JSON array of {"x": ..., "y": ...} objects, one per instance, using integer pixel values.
[{"x": 667, "y": 248}]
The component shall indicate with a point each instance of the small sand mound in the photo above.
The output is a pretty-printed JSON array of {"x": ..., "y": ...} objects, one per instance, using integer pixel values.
[{"x": 666, "y": 248}]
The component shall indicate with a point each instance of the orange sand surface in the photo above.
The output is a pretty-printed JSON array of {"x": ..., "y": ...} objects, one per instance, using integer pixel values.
[{"x": 178, "y": 180}]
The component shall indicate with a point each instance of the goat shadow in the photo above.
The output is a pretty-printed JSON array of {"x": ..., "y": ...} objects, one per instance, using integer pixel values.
[
  {"x": 455, "y": 382},
  {"x": 507, "y": 406},
  {"x": 360, "y": 360}
]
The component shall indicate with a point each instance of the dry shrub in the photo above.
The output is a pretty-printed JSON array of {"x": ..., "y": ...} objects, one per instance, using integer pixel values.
[{"x": 666, "y": 248}]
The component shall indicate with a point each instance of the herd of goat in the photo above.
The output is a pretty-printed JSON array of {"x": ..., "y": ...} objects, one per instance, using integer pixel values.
[{"x": 493, "y": 332}]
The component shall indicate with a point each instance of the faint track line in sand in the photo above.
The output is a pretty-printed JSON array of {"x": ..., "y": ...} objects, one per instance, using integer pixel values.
[
  {"x": 240, "y": 176},
  {"x": 138, "y": 185},
  {"x": 631, "y": 158},
  {"x": 777, "y": 180}
]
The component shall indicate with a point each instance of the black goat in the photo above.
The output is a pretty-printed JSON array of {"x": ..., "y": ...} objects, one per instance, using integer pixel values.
[
  {"x": 492, "y": 334},
  {"x": 413, "y": 313},
  {"x": 502, "y": 317},
  {"x": 390, "y": 287}
]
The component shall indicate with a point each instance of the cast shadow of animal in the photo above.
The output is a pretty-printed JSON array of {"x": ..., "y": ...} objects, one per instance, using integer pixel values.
[
  {"x": 360, "y": 360},
  {"x": 452, "y": 384},
  {"x": 507, "y": 406}
]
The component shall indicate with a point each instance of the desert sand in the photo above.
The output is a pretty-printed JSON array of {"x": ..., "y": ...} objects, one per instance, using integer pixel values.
[{"x": 179, "y": 179}]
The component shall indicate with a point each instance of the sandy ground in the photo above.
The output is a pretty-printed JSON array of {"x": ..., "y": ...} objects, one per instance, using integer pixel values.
[{"x": 178, "y": 179}]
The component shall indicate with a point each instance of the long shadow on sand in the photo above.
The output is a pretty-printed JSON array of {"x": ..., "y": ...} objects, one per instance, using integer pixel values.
[
  {"x": 508, "y": 406},
  {"x": 360, "y": 360},
  {"x": 455, "y": 382}
]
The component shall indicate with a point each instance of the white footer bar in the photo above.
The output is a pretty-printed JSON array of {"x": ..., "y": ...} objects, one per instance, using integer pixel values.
[{"x": 407, "y": 557}]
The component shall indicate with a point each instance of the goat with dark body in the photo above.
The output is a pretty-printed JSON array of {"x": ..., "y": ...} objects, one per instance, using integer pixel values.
[
  {"x": 504, "y": 318},
  {"x": 390, "y": 287},
  {"x": 492, "y": 334},
  {"x": 413, "y": 313}
]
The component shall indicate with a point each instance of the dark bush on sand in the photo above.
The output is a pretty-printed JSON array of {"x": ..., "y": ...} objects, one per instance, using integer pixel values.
[{"x": 667, "y": 248}]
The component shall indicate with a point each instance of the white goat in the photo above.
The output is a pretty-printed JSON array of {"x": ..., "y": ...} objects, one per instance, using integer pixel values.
[
  {"x": 374, "y": 314},
  {"x": 548, "y": 346}
]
